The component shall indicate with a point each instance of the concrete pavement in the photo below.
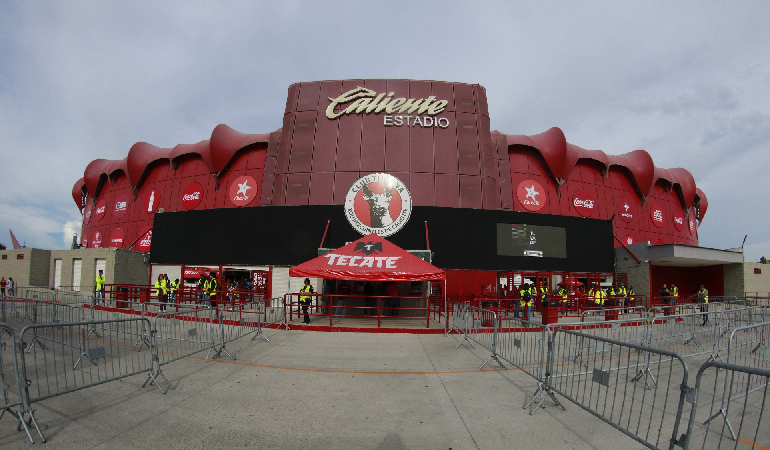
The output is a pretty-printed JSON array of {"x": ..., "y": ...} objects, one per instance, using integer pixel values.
[{"x": 310, "y": 390}]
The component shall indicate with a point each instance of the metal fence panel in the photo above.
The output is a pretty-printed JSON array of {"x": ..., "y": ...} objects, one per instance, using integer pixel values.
[
  {"x": 67, "y": 359},
  {"x": 523, "y": 345},
  {"x": 686, "y": 334},
  {"x": 717, "y": 395},
  {"x": 610, "y": 383},
  {"x": 11, "y": 393}
]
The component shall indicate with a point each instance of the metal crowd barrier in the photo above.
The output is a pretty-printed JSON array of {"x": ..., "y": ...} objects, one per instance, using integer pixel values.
[
  {"x": 178, "y": 335},
  {"x": 747, "y": 347},
  {"x": 12, "y": 399},
  {"x": 69, "y": 361},
  {"x": 608, "y": 387},
  {"x": 748, "y": 384},
  {"x": 481, "y": 327}
]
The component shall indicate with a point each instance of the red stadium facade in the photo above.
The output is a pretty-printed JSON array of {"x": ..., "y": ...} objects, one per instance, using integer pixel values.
[{"x": 433, "y": 136}]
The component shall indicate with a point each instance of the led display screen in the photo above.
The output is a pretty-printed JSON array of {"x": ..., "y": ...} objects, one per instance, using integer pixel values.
[{"x": 520, "y": 239}]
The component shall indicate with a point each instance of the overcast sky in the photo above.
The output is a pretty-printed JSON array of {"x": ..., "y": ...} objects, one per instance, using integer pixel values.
[{"x": 687, "y": 81}]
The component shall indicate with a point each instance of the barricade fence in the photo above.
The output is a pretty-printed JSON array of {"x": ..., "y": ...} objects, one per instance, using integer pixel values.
[
  {"x": 618, "y": 372},
  {"x": 740, "y": 396},
  {"x": 12, "y": 399},
  {"x": 610, "y": 387}
]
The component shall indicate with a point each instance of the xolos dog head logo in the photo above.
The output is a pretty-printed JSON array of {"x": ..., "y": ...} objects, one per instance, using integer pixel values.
[{"x": 378, "y": 203}]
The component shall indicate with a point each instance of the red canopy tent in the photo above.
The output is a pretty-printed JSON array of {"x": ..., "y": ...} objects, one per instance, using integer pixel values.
[{"x": 369, "y": 258}]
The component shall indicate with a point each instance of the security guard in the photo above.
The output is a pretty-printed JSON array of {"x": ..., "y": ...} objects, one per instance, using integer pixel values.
[
  {"x": 174, "y": 290},
  {"x": 545, "y": 294},
  {"x": 100, "y": 286},
  {"x": 159, "y": 293},
  {"x": 564, "y": 294},
  {"x": 703, "y": 300},
  {"x": 304, "y": 300},
  {"x": 212, "y": 291},
  {"x": 202, "y": 288},
  {"x": 599, "y": 296},
  {"x": 526, "y": 301}
]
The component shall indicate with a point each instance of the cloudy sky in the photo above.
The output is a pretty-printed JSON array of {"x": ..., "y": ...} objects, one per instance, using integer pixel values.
[{"x": 687, "y": 81}]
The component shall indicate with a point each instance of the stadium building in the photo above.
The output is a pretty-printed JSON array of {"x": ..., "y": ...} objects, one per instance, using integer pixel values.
[{"x": 416, "y": 162}]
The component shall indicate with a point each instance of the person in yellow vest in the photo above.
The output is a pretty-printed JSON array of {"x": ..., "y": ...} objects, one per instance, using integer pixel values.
[
  {"x": 174, "y": 290},
  {"x": 212, "y": 291},
  {"x": 99, "y": 287},
  {"x": 305, "y": 299},
  {"x": 621, "y": 301},
  {"x": 545, "y": 295},
  {"x": 703, "y": 300},
  {"x": 599, "y": 296},
  {"x": 159, "y": 293},
  {"x": 564, "y": 297}
]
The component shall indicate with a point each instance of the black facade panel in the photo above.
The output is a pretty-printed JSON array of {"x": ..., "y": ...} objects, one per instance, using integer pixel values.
[{"x": 290, "y": 235}]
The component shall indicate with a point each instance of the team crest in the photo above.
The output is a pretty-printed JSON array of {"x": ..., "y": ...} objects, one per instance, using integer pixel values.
[{"x": 378, "y": 203}]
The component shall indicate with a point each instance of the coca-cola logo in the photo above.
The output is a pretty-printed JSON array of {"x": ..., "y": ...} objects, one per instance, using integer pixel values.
[
  {"x": 101, "y": 208},
  {"x": 656, "y": 213},
  {"x": 584, "y": 202},
  {"x": 678, "y": 220},
  {"x": 121, "y": 206},
  {"x": 192, "y": 196},
  {"x": 628, "y": 240},
  {"x": 151, "y": 201},
  {"x": 145, "y": 241},
  {"x": 87, "y": 214}
]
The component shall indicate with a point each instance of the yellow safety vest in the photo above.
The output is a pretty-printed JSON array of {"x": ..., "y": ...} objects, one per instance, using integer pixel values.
[
  {"x": 305, "y": 289},
  {"x": 675, "y": 291},
  {"x": 99, "y": 282},
  {"x": 174, "y": 286},
  {"x": 703, "y": 296},
  {"x": 599, "y": 296},
  {"x": 164, "y": 285}
]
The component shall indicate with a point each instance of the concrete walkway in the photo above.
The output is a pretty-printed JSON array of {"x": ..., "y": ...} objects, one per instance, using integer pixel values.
[{"x": 313, "y": 390}]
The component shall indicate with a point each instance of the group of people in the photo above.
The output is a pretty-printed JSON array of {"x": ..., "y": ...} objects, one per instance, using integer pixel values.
[
  {"x": 669, "y": 296},
  {"x": 338, "y": 303},
  {"x": 615, "y": 295},
  {"x": 166, "y": 290},
  {"x": 7, "y": 284},
  {"x": 207, "y": 289}
]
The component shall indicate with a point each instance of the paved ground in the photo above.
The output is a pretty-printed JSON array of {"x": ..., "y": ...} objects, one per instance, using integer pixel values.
[{"x": 310, "y": 390}]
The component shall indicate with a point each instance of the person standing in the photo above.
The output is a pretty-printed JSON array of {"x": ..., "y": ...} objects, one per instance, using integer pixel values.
[
  {"x": 305, "y": 299},
  {"x": 159, "y": 292},
  {"x": 665, "y": 298},
  {"x": 343, "y": 290},
  {"x": 100, "y": 286},
  {"x": 174, "y": 291},
  {"x": 212, "y": 290},
  {"x": 526, "y": 301},
  {"x": 703, "y": 300},
  {"x": 202, "y": 281},
  {"x": 674, "y": 300},
  {"x": 393, "y": 292},
  {"x": 11, "y": 287},
  {"x": 3, "y": 283},
  {"x": 564, "y": 294}
]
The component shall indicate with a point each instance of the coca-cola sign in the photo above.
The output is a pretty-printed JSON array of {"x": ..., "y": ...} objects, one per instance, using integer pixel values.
[
  {"x": 145, "y": 240},
  {"x": 192, "y": 196},
  {"x": 678, "y": 220},
  {"x": 101, "y": 208},
  {"x": 116, "y": 240},
  {"x": 151, "y": 201},
  {"x": 121, "y": 206},
  {"x": 87, "y": 214},
  {"x": 691, "y": 221},
  {"x": 627, "y": 240},
  {"x": 84, "y": 240},
  {"x": 584, "y": 203},
  {"x": 656, "y": 214},
  {"x": 626, "y": 210},
  {"x": 531, "y": 195}
]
